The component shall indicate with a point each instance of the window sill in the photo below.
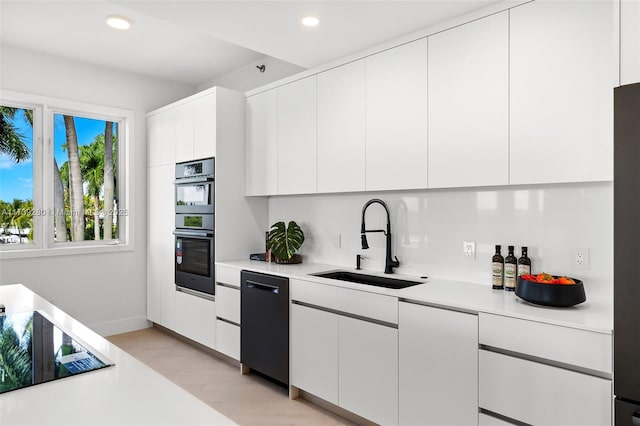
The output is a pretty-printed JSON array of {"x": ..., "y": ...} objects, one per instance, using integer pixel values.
[{"x": 75, "y": 250}]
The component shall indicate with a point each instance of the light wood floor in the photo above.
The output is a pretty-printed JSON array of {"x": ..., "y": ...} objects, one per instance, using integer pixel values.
[{"x": 245, "y": 399}]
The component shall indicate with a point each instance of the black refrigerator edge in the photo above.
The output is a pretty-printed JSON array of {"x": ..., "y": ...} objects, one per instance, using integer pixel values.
[{"x": 626, "y": 255}]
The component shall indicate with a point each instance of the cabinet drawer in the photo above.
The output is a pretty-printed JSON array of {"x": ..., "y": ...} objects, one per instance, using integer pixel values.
[
  {"x": 195, "y": 318},
  {"x": 540, "y": 394},
  {"x": 228, "y": 303},
  {"x": 360, "y": 303},
  {"x": 581, "y": 348},
  {"x": 228, "y": 339},
  {"x": 485, "y": 420},
  {"x": 228, "y": 275}
]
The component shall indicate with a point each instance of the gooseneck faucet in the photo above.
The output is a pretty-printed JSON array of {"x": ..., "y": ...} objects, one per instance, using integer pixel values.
[{"x": 389, "y": 263}]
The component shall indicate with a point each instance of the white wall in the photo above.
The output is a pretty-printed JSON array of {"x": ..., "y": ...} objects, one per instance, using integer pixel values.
[
  {"x": 249, "y": 77},
  {"x": 429, "y": 227},
  {"x": 107, "y": 292}
]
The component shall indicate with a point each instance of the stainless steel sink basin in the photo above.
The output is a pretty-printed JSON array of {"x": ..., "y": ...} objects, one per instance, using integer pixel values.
[{"x": 354, "y": 277}]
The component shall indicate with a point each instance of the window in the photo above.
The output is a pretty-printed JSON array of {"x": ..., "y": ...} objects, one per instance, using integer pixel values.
[{"x": 62, "y": 175}]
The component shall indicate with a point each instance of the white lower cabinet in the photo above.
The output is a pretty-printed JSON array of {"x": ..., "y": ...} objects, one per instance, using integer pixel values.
[
  {"x": 228, "y": 312},
  {"x": 346, "y": 358},
  {"x": 541, "y": 394},
  {"x": 368, "y": 369},
  {"x": 228, "y": 338},
  {"x": 195, "y": 318},
  {"x": 314, "y": 352},
  {"x": 438, "y": 366},
  {"x": 544, "y": 374}
]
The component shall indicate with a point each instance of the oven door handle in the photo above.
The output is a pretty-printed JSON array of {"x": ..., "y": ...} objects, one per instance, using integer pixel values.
[
  {"x": 195, "y": 179},
  {"x": 189, "y": 233}
]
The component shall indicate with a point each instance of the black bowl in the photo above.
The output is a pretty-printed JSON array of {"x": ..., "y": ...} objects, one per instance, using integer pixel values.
[{"x": 560, "y": 295}]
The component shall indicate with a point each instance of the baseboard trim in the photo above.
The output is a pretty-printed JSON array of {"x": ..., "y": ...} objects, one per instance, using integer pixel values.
[{"x": 109, "y": 328}]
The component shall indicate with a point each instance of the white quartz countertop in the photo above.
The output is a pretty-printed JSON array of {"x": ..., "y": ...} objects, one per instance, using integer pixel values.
[
  {"x": 592, "y": 315},
  {"x": 127, "y": 393}
]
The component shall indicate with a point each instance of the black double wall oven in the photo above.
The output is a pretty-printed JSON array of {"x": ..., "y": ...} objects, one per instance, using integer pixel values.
[{"x": 195, "y": 227}]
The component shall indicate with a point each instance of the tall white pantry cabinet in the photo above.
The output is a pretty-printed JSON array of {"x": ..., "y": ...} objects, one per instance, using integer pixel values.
[{"x": 208, "y": 124}]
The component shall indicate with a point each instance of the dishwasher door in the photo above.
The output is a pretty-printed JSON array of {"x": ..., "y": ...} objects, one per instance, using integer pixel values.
[{"x": 264, "y": 319}]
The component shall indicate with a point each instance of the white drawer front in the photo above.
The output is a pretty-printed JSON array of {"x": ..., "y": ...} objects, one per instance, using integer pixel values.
[
  {"x": 228, "y": 339},
  {"x": 368, "y": 305},
  {"x": 540, "y": 394},
  {"x": 485, "y": 420},
  {"x": 228, "y": 303},
  {"x": 581, "y": 348},
  {"x": 228, "y": 275},
  {"x": 195, "y": 318}
]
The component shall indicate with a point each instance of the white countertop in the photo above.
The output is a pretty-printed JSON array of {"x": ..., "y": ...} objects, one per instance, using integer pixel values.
[
  {"x": 127, "y": 393},
  {"x": 592, "y": 315}
]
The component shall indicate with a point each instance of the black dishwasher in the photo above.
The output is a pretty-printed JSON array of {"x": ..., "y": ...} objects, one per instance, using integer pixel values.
[{"x": 264, "y": 315}]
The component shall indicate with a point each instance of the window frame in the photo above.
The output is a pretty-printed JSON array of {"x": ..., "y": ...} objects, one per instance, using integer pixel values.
[{"x": 44, "y": 108}]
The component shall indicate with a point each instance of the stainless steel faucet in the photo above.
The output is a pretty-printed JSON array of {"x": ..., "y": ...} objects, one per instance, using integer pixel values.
[{"x": 389, "y": 263}]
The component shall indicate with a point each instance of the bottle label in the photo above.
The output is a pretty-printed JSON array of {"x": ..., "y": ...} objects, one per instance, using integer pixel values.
[
  {"x": 509, "y": 275},
  {"x": 524, "y": 270},
  {"x": 496, "y": 274}
]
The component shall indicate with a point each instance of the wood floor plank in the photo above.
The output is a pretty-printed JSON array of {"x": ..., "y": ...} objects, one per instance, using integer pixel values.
[{"x": 246, "y": 399}]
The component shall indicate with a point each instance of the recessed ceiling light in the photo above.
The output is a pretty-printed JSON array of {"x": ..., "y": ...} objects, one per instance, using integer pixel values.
[
  {"x": 118, "y": 22},
  {"x": 310, "y": 21}
]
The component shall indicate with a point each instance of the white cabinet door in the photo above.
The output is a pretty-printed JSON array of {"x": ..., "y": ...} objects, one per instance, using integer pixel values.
[
  {"x": 341, "y": 128},
  {"x": 438, "y": 366},
  {"x": 227, "y": 338},
  {"x": 204, "y": 126},
  {"x": 228, "y": 303},
  {"x": 160, "y": 240},
  {"x": 564, "y": 65},
  {"x": 314, "y": 352},
  {"x": 629, "y": 41},
  {"x": 184, "y": 131},
  {"x": 262, "y": 144},
  {"x": 196, "y": 318},
  {"x": 368, "y": 370},
  {"x": 540, "y": 394},
  {"x": 396, "y": 124},
  {"x": 161, "y": 135},
  {"x": 469, "y": 104},
  {"x": 297, "y": 137}
]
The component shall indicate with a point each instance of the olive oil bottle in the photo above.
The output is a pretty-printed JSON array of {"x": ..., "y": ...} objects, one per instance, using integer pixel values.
[
  {"x": 524, "y": 263},
  {"x": 510, "y": 270},
  {"x": 497, "y": 269}
]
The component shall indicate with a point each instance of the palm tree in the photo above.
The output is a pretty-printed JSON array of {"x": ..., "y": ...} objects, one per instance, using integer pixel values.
[
  {"x": 109, "y": 181},
  {"x": 11, "y": 141},
  {"x": 15, "y": 357},
  {"x": 92, "y": 165},
  {"x": 75, "y": 180},
  {"x": 60, "y": 216}
]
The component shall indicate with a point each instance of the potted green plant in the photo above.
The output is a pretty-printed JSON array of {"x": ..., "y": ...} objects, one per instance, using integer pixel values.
[{"x": 284, "y": 241}]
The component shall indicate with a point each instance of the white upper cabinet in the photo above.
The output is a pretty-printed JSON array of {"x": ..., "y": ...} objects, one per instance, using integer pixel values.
[
  {"x": 161, "y": 136},
  {"x": 629, "y": 41},
  {"x": 341, "y": 128},
  {"x": 469, "y": 104},
  {"x": 262, "y": 143},
  {"x": 184, "y": 115},
  {"x": 204, "y": 126},
  {"x": 563, "y": 60},
  {"x": 396, "y": 118},
  {"x": 297, "y": 137}
]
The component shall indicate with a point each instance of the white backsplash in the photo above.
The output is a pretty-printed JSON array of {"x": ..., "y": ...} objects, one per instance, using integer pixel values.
[{"x": 429, "y": 227}]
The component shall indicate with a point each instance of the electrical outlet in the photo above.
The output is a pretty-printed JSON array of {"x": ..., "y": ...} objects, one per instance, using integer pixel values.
[
  {"x": 469, "y": 249},
  {"x": 581, "y": 258},
  {"x": 337, "y": 241}
]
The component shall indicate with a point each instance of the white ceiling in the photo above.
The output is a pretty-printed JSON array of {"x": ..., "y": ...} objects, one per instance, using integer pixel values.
[{"x": 194, "y": 41}]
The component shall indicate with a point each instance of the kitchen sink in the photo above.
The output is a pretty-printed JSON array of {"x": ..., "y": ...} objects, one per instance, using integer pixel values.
[{"x": 378, "y": 281}]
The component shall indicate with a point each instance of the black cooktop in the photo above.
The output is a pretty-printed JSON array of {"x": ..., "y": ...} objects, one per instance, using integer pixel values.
[{"x": 33, "y": 350}]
